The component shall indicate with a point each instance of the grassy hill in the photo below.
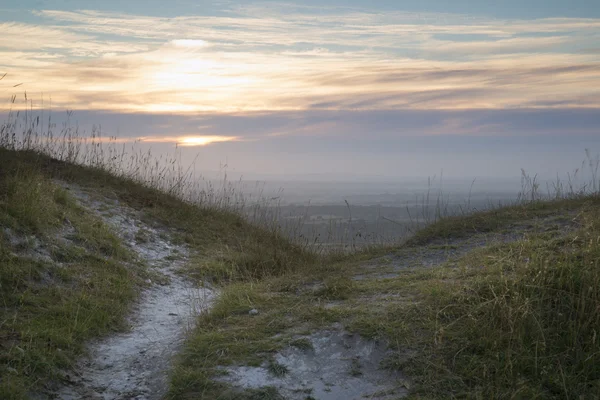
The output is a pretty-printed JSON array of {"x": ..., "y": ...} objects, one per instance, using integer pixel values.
[
  {"x": 65, "y": 276},
  {"x": 498, "y": 304}
]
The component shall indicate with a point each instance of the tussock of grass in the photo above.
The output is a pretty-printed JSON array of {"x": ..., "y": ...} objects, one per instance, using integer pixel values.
[
  {"x": 31, "y": 200},
  {"x": 336, "y": 288},
  {"x": 302, "y": 344},
  {"x": 277, "y": 370}
]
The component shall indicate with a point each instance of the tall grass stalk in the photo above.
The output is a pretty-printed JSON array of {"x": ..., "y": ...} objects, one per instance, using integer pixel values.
[{"x": 33, "y": 130}]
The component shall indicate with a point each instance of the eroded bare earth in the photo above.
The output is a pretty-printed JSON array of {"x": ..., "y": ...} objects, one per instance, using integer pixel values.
[{"x": 134, "y": 364}]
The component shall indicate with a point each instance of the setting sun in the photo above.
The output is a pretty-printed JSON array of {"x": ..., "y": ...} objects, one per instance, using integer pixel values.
[
  {"x": 203, "y": 140},
  {"x": 187, "y": 141}
]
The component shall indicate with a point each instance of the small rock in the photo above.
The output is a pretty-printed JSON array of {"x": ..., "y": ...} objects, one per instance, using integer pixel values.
[
  {"x": 149, "y": 281},
  {"x": 254, "y": 311}
]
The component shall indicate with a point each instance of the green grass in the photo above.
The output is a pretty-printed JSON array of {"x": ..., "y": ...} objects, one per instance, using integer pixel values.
[
  {"x": 51, "y": 318},
  {"x": 336, "y": 288},
  {"x": 51, "y": 308},
  {"x": 51, "y": 305},
  {"x": 277, "y": 370},
  {"x": 302, "y": 344},
  {"x": 501, "y": 218},
  {"x": 508, "y": 320},
  {"x": 228, "y": 335},
  {"x": 518, "y": 320},
  {"x": 231, "y": 247}
]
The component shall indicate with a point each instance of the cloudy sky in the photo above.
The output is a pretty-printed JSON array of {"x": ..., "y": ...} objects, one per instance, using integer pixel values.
[{"x": 334, "y": 88}]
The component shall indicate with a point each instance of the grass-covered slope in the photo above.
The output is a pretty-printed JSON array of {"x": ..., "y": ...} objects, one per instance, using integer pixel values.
[
  {"x": 497, "y": 304},
  {"x": 506, "y": 320},
  {"x": 66, "y": 278},
  {"x": 500, "y": 304}
]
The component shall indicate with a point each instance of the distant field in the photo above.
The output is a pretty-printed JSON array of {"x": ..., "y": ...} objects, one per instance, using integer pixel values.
[{"x": 364, "y": 224}]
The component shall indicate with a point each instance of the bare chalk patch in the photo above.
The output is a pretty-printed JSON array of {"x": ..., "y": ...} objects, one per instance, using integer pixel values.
[{"x": 330, "y": 365}]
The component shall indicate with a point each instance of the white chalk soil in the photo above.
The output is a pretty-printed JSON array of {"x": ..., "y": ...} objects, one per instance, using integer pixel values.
[
  {"x": 337, "y": 366},
  {"x": 135, "y": 364}
]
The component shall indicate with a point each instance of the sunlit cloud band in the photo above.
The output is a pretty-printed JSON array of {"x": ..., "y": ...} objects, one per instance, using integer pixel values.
[{"x": 283, "y": 58}]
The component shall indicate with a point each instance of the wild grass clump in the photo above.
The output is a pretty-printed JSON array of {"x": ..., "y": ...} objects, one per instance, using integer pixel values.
[
  {"x": 336, "y": 288},
  {"x": 31, "y": 200},
  {"x": 33, "y": 131},
  {"x": 302, "y": 344},
  {"x": 277, "y": 370},
  {"x": 106, "y": 160}
]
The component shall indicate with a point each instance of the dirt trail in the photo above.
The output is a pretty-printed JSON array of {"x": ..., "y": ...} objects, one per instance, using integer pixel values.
[{"x": 134, "y": 364}]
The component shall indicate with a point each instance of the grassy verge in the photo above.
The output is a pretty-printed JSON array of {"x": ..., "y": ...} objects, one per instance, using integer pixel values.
[
  {"x": 64, "y": 279},
  {"x": 230, "y": 335}
]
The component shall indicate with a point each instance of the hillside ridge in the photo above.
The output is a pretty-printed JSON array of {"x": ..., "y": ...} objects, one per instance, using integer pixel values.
[{"x": 114, "y": 290}]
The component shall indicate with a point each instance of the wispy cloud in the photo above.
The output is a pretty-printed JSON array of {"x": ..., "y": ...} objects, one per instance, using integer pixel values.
[{"x": 290, "y": 58}]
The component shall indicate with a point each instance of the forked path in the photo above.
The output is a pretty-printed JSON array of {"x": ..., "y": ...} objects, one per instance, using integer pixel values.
[{"x": 134, "y": 364}]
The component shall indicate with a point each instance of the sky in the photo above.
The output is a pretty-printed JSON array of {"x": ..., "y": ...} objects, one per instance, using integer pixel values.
[{"x": 335, "y": 89}]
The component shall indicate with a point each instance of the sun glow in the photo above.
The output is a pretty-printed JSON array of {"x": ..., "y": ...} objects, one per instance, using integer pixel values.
[
  {"x": 203, "y": 140},
  {"x": 188, "y": 141}
]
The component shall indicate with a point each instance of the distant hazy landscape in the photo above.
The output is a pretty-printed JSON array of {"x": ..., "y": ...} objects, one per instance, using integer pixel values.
[{"x": 332, "y": 212}]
